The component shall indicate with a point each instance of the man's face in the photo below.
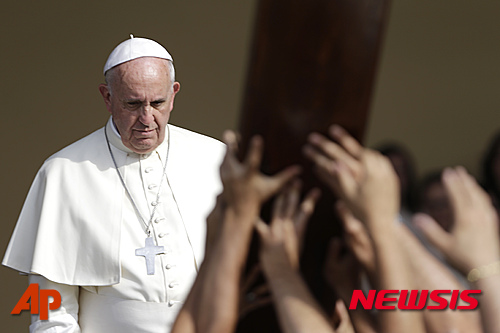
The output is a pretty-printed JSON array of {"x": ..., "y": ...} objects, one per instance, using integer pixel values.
[{"x": 140, "y": 101}]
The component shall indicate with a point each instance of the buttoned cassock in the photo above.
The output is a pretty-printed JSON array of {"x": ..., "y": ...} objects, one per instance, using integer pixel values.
[{"x": 78, "y": 227}]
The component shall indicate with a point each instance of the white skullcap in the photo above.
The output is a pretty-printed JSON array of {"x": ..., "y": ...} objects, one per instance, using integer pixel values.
[{"x": 134, "y": 48}]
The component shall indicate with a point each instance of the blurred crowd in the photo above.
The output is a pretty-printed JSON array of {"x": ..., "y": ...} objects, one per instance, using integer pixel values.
[
  {"x": 428, "y": 194},
  {"x": 437, "y": 234}
]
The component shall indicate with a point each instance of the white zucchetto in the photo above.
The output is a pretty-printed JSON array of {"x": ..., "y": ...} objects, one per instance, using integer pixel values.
[{"x": 134, "y": 48}]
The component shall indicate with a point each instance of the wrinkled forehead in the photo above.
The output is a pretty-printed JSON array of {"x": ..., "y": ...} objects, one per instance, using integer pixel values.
[
  {"x": 142, "y": 70},
  {"x": 144, "y": 65}
]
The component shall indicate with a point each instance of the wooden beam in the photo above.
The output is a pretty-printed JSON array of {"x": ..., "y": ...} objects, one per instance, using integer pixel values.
[{"x": 312, "y": 64}]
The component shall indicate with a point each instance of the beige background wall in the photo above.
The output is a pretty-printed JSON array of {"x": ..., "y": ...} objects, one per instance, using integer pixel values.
[{"x": 437, "y": 87}]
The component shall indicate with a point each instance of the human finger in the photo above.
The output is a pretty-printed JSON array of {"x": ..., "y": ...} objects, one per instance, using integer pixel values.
[
  {"x": 319, "y": 159},
  {"x": 275, "y": 183},
  {"x": 327, "y": 176},
  {"x": 345, "y": 324},
  {"x": 456, "y": 189},
  {"x": 254, "y": 154},
  {"x": 262, "y": 229},
  {"x": 433, "y": 232},
  {"x": 478, "y": 196},
  {"x": 353, "y": 227},
  {"x": 292, "y": 199},
  {"x": 351, "y": 145},
  {"x": 334, "y": 151},
  {"x": 306, "y": 209},
  {"x": 231, "y": 141},
  {"x": 356, "y": 237},
  {"x": 278, "y": 206},
  {"x": 346, "y": 182}
]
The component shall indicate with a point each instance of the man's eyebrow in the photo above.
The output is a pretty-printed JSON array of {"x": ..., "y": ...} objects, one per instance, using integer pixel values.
[
  {"x": 160, "y": 100},
  {"x": 132, "y": 100}
]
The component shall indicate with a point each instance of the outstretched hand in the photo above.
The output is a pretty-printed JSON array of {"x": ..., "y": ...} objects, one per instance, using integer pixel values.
[
  {"x": 281, "y": 240},
  {"x": 363, "y": 178},
  {"x": 473, "y": 240},
  {"x": 243, "y": 182},
  {"x": 357, "y": 239}
]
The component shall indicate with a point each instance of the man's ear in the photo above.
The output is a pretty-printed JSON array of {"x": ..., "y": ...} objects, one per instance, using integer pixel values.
[
  {"x": 106, "y": 95},
  {"x": 176, "y": 87}
]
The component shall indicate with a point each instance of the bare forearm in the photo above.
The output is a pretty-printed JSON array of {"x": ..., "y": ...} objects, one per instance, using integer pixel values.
[
  {"x": 393, "y": 273},
  {"x": 430, "y": 274},
  {"x": 489, "y": 303},
  {"x": 213, "y": 301},
  {"x": 362, "y": 321},
  {"x": 218, "y": 303},
  {"x": 297, "y": 310}
]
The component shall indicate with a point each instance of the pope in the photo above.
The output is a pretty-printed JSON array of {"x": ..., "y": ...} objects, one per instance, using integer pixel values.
[{"x": 116, "y": 221}]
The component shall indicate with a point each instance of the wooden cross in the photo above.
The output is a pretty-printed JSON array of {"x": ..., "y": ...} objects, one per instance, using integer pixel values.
[
  {"x": 312, "y": 63},
  {"x": 149, "y": 252}
]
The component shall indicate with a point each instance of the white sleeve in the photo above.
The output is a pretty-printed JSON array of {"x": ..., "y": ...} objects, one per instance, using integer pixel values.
[{"x": 62, "y": 320}]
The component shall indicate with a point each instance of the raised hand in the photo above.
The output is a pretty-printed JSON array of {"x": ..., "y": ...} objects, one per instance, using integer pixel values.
[
  {"x": 243, "y": 182},
  {"x": 357, "y": 239},
  {"x": 367, "y": 183},
  {"x": 298, "y": 311},
  {"x": 429, "y": 273},
  {"x": 473, "y": 240},
  {"x": 281, "y": 240},
  {"x": 364, "y": 179}
]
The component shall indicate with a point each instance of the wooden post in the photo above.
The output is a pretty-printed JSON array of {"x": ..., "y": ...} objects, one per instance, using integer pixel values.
[{"x": 312, "y": 64}]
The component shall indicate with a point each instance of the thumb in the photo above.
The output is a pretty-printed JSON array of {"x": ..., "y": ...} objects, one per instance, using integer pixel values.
[
  {"x": 262, "y": 228},
  {"x": 351, "y": 224},
  {"x": 343, "y": 315},
  {"x": 278, "y": 181},
  {"x": 345, "y": 179},
  {"x": 432, "y": 231}
]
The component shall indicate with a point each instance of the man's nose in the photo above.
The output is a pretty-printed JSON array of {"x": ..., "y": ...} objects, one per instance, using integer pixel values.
[{"x": 146, "y": 116}]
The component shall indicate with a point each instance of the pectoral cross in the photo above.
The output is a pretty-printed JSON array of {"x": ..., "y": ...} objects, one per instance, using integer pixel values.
[{"x": 149, "y": 252}]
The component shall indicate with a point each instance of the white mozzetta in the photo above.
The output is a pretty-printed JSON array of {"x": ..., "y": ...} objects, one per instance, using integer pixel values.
[{"x": 71, "y": 225}]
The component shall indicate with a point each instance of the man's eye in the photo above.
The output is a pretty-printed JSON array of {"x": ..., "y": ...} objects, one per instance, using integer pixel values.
[
  {"x": 133, "y": 104},
  {"x": 156, "y": 104}
]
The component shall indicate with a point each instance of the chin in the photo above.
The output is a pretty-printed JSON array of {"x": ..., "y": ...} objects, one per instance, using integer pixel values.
[
  {"x": 144, "y": 150},
  {"x": 142, "y": 146}
]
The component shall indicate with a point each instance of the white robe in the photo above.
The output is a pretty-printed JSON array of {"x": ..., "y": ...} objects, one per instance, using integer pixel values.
[{"x": 77, "y": 213}]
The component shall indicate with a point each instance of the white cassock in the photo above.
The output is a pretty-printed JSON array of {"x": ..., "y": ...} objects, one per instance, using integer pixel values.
[{"x": 78, "y": 230}]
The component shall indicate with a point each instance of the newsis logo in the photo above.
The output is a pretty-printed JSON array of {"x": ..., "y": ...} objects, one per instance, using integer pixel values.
[{"x": 414, "y": 299}]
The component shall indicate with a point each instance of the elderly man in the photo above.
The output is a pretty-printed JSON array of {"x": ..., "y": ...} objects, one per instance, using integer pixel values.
[{"x": 116, "y": 221}]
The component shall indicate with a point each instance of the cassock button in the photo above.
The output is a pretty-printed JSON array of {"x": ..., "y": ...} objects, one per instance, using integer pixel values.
[
  {"x": 154, "y": 203},
  {"x": 148, "y": 170},
  {"x": 161, "y": 235},
  {"x": 152, "y": 186},
  {"x": 168, "y": 266},
  {"x": 171, "y": 303},
  {"x": 172, "y": 285},
  {"x": 159, "y": 219}
]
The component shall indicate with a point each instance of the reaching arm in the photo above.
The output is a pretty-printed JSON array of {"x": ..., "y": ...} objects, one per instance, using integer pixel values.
[
  {"x": 343, "y": 272},
  {"x": 212, "y": 305},
  {"x": 473, "y": 243},
  {"x": 298, "y": 311},
  {"x": 367, "y": 184},
  {"x": 431, "y": 274}
]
